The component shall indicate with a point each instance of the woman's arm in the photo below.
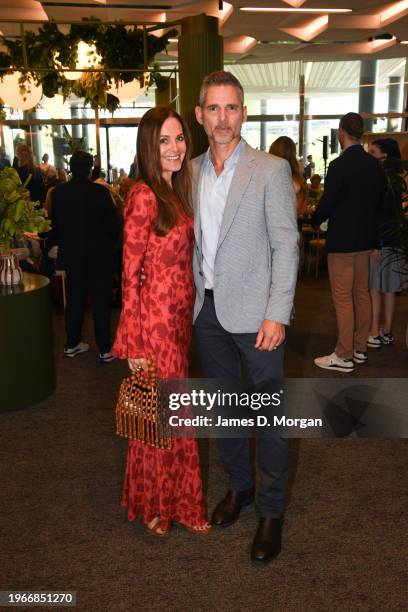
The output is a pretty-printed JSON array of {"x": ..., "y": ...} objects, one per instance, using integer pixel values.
[{"x": 139, "y": 214}]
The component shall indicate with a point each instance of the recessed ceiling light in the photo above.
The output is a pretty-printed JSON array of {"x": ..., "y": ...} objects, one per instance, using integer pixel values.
[{"x": 267, "y": 9}]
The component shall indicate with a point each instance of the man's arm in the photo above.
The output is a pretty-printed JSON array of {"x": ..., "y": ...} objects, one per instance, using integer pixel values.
[
  {"x": 280, "y": 215},
  {"x": 330, "y": 196}
]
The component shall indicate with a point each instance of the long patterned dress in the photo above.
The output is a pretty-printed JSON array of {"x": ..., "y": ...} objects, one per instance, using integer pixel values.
[{"x": 156, "y": 321}]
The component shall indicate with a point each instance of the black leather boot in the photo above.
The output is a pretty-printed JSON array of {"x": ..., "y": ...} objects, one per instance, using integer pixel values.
[
  {"x": 267, "y": 542},
  {"x": 228, "y": 510}
]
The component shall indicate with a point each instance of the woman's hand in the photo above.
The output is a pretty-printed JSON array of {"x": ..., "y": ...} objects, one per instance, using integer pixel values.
[{"x": 136, "y": 364}]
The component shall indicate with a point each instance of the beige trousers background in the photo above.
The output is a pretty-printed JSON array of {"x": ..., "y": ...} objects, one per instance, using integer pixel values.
[{"x": 348, "y": 273}]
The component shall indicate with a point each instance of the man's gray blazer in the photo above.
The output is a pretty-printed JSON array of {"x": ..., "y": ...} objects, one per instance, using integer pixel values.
[{"x": 256, "y": 262}]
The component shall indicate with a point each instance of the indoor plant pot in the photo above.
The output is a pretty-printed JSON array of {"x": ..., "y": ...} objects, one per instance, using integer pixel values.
[{"x": 17, "y": 215}]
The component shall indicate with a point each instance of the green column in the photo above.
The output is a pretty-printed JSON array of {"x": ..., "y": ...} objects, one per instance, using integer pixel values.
[{"x": 201, "y": 51}]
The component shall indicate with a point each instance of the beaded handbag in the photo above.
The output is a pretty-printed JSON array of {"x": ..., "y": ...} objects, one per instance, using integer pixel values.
[{"x": 140, "y": 411}]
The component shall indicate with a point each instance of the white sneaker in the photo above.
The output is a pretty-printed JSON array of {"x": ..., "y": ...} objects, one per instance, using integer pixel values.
[
  {"x": 332, "y": 362},
  {"x": 374, "y": 342},
  {"x": 106, "y": 357},
  {"x": 360, "y": 357},
  {"x": 81, "y": 347},
  {"x": 386, "y": 337}
]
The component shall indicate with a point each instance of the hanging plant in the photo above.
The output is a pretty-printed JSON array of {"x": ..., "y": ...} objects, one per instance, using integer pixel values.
[{"x": 120, "y": 48}]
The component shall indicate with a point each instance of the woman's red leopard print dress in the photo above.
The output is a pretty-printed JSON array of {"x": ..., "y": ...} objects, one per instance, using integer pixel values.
[{"x": 156, "y": 321}]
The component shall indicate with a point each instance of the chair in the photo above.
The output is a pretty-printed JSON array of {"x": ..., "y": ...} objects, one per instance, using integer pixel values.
[
  {"x": 316, "y": 246},
  {"x": 305, "y": 234},
  {"x": 53, "y": 254}
]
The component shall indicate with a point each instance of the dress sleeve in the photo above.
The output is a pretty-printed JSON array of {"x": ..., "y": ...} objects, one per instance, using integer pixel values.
[{"x": 139, "y": 217}]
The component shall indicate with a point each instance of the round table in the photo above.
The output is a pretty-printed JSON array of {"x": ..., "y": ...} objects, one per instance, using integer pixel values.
[{"x": 27, "y": 369}]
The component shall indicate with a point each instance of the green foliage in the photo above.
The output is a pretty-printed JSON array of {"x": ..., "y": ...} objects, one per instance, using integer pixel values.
[
  {"x": 396, "y": 172},
  {"x": 17, "y": 213},
  {"x": 120, "y": 46}
]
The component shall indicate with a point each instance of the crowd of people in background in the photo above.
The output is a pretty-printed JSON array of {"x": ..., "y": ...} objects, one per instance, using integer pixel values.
[{"x": 384, "y": 280}]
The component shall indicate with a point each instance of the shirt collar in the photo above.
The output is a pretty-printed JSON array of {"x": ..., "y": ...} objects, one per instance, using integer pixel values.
[
  {"x": 355, "y": 144},
  {"x": 231, "y": 161}
]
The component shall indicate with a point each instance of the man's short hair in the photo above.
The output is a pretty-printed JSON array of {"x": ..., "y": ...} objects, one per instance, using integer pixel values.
[
  {"x": 221, "y": 77},
  {"x": 353, "y": 125},
  {"x": 81, "y": 163}
]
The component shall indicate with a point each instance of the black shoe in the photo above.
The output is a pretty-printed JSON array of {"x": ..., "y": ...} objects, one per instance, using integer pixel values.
[
  {"x": 267, "y": 542},
  {"x": 227, "y": 511}
]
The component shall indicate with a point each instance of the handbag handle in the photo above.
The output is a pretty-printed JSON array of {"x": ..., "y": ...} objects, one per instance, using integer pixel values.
[{"x": 151, "y": 376}]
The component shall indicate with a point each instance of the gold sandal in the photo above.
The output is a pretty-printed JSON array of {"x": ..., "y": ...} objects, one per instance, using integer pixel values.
[
  {"x": 204, "y": 528},
  {"x": 155, "y": 528}
]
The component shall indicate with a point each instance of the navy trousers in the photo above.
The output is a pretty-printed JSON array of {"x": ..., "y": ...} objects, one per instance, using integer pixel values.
[{"x": 222, "y": 355}]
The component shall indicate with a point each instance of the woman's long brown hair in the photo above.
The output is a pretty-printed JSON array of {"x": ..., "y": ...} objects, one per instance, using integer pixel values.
[
  {"x": 150, "y": 168},
  {"x": 286, "y": 148}
]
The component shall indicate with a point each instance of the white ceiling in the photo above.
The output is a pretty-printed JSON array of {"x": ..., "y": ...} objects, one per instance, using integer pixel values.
[{"x": 250, "y": 37}]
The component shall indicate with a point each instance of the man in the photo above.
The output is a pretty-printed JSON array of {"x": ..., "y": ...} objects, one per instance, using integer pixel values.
[
  {"x": 85, "y": 226},
  {"x": 309, "y": 168},
  {"x": 4, "y": 160},
  {"x": 353, "y": 193},
  {"x": 245, "y": 269}
]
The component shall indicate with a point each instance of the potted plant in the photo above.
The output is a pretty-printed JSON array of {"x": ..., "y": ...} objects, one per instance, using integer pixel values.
[
  {"x": 396, "y": 173},
  {"x": 17, "y": 216}
]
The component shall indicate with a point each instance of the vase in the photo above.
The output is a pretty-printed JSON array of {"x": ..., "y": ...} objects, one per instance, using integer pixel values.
[{"x": 10, "y": 271}]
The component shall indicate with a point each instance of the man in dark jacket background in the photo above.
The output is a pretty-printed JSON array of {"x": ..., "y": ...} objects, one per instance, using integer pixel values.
[
  {"x": 353, "y": 192},
  {"x": 85, "y": 226}
]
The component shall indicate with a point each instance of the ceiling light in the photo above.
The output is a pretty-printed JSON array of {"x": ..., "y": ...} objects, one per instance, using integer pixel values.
[
  {"x": 17, "y": 96},
  {"x": 266, "y": 9},
  {"x": 383, "y": 42},
  {"x": 173, "y": 40},
  {"x": 404, "y": 42}
]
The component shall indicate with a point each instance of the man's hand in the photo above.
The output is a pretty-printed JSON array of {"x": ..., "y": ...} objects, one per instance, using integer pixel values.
[{"x": 271, "y": 335}]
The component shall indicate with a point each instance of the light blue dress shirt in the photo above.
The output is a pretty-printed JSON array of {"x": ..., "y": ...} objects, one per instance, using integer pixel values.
[{"x": 213, "y": 198}]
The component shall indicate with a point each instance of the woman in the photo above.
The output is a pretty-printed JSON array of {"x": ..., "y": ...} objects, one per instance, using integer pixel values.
[
  {"x": 26, "y": 169},
  {"x": 48, "y": 172},
  {"x": 161, "y": 486},
  {"x": 286, "y": 148},
  {"x": 385, "y": 277}
]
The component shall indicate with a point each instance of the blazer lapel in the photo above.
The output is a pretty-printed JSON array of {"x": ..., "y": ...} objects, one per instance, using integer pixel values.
[
  {"x": 197, "y": 169},
  {"x": 240, "y": 180}
]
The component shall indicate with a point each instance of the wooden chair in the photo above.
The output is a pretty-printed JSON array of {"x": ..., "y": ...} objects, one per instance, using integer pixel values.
[
  {"x": 316, "y": 247},
  {"x": 58, "y": 273}
]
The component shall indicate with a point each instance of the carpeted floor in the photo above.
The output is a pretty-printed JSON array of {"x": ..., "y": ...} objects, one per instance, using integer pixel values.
[{"x": 62, "y": 527}]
